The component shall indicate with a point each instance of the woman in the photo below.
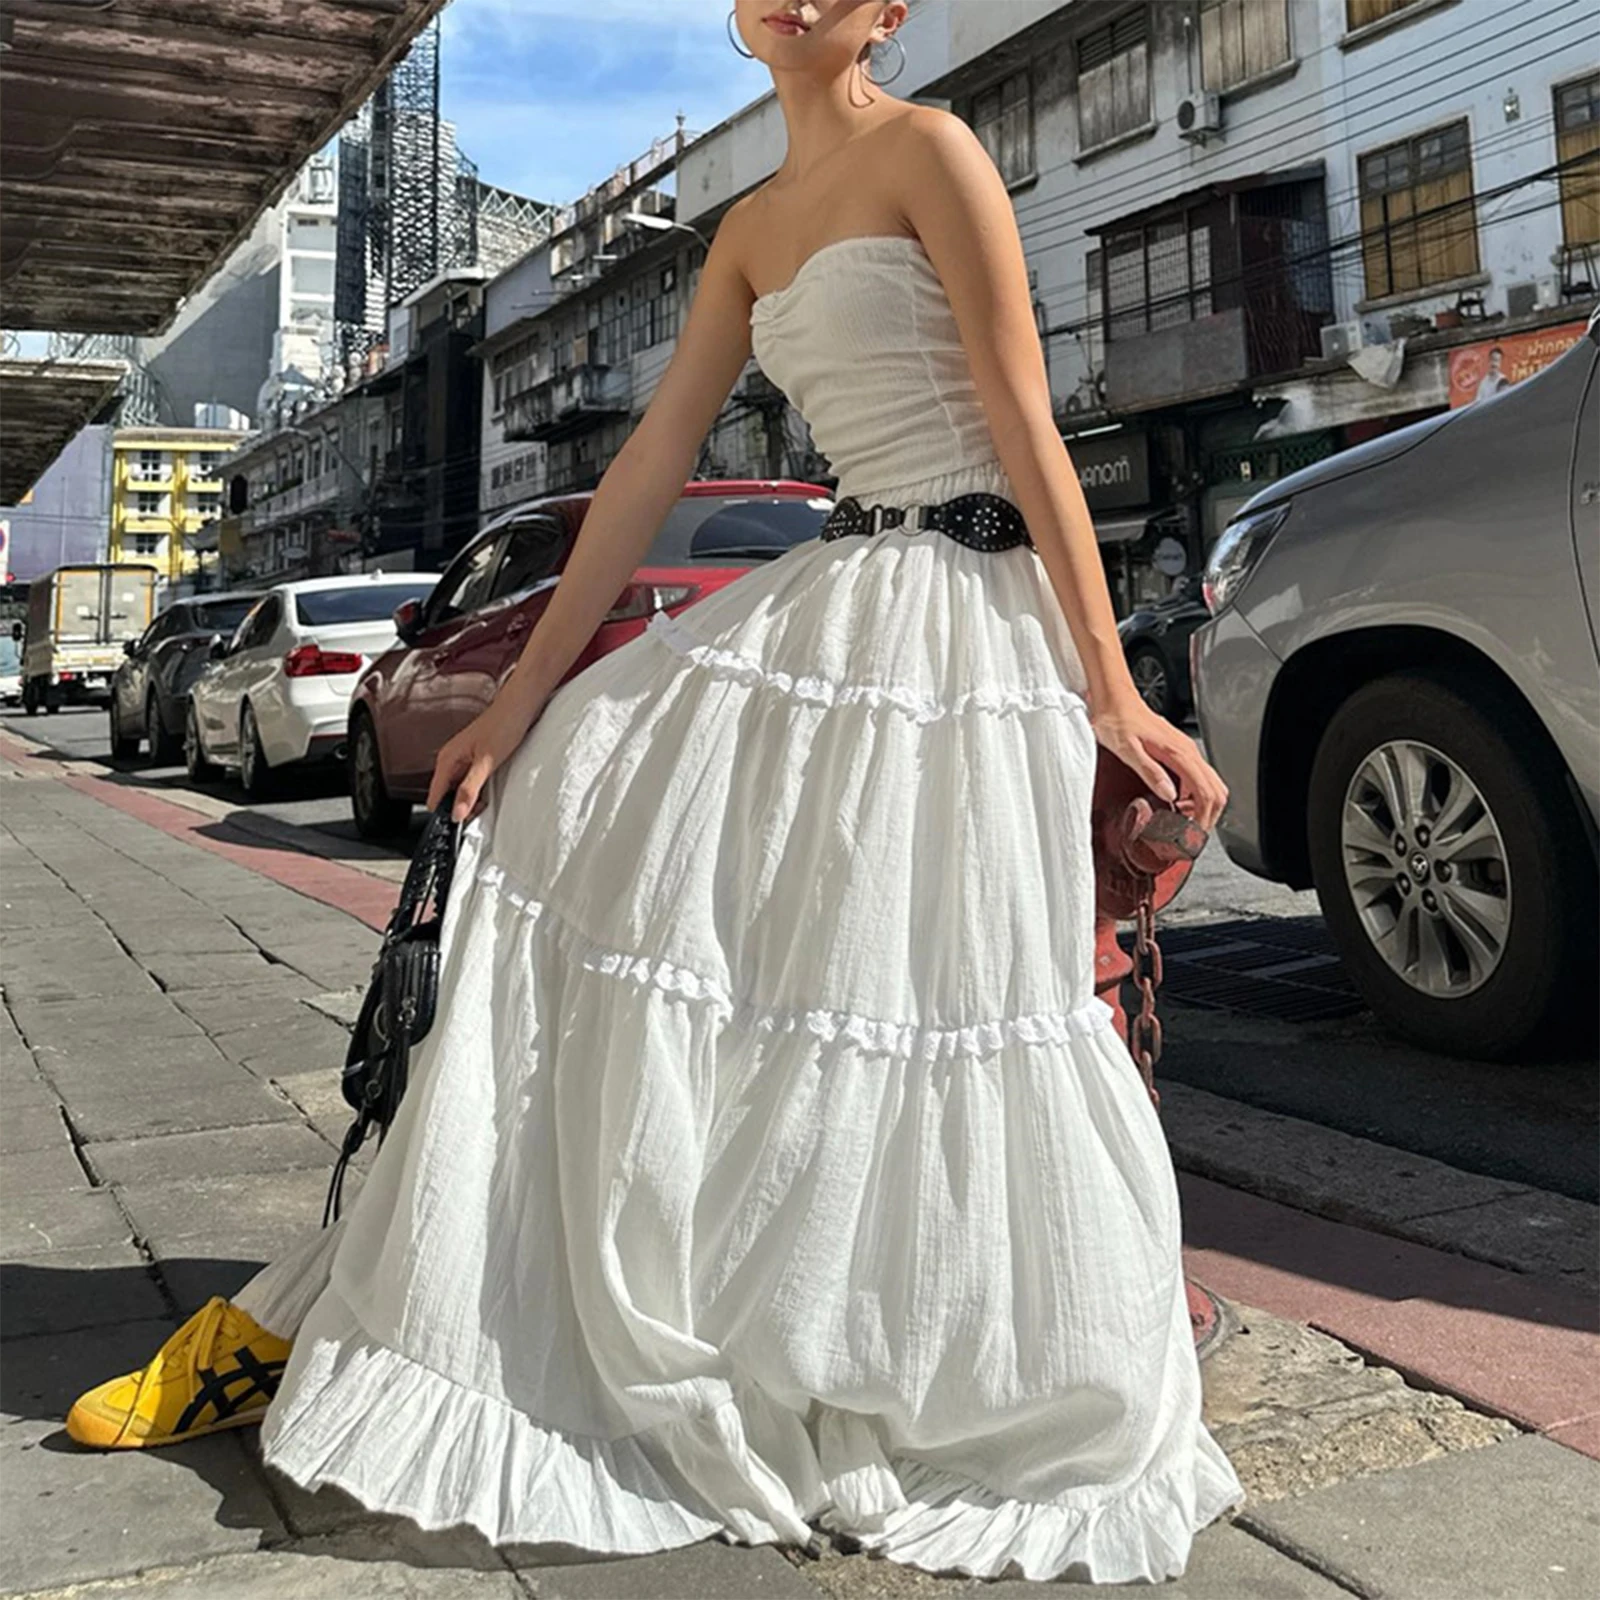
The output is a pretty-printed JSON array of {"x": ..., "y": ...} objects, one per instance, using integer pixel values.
[{"x": 771, "y": 1165}]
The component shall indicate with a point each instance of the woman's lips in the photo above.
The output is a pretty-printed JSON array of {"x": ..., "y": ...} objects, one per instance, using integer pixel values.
[{"x": 784, "y": 24}]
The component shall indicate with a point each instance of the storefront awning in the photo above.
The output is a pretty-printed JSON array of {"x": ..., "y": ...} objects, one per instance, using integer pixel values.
[{"x": 1120, "y": 530}]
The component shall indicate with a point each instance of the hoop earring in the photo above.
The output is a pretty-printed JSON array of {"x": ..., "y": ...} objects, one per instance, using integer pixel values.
[
  {"x": 733, "y": 38},
  {"x": 866, "y": 66}
]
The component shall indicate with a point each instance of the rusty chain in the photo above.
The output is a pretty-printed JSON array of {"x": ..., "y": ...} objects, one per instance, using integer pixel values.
[{"x": 1144, "y": 1028}]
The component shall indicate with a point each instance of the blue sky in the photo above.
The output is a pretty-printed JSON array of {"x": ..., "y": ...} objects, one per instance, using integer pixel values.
[{"x": 551, "y": 96}]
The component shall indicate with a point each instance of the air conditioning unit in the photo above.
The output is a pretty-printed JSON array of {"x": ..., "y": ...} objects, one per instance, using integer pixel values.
[
  {"x": 1536, "y": 294},
  {"x": 1341, "y": 340},
  {"x": 1200, "y": 118}
]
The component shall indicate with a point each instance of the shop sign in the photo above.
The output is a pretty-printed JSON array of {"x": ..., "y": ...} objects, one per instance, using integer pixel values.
[
  {"x": 1114, "y": 469},
  {"x": 1478, "y": 371}
]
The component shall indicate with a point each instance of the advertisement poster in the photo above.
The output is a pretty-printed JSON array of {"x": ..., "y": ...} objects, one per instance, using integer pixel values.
[{"x": 1478, "y": 371}]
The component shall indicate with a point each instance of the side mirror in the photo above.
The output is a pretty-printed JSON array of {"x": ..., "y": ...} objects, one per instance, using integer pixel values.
[
  {"x": 218, "y": 647},
  {"x": 16, "y": 632},
  {"x": 408, "y": 621},
  {"x": 130, "y": 647}
]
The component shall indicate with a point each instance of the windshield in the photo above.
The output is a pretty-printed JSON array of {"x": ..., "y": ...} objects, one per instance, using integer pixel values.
[
  {"x": 727, "y": 528},
  {"x": 365, "y": 602},
  {"x": 223, "y": 616}
]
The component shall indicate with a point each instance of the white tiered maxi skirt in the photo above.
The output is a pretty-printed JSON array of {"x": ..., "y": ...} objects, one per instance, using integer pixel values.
[{"x": 771, "y": 1160}]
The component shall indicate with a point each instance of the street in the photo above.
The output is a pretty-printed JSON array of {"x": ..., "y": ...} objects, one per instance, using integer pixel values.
[{"x": 1528, "y": 1124}]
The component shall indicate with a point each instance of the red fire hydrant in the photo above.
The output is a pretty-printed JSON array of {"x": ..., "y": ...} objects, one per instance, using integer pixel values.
[{"x": 1144, "y": 852}]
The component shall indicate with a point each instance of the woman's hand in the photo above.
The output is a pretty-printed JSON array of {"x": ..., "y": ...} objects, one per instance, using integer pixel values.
[
  {"x": 1157, "y": 751},
  {"x": 485, "y": 744}
]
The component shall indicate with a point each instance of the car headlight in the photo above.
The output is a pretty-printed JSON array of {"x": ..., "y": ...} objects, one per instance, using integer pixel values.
[{"x": 1243, "y": 543}]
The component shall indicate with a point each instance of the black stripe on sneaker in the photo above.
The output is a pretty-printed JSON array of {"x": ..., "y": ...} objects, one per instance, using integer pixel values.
[{"x": 218, "y": 1389}]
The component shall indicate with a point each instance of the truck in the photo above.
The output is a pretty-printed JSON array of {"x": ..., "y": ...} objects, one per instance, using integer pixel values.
[{"x": 80, "y": 621}]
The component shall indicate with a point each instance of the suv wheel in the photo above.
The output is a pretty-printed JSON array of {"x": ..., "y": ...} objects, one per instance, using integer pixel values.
[
  {"x": 255, "y": 776},
  {"x": 199, "y": 767},
  {"x": 124, "y": 746},
  {"x": 378, "y": 814},
  {"x": 166, "y": 748},
  {"x": 1451, "y": 866},
  {"x": 1148, "y": 668}
]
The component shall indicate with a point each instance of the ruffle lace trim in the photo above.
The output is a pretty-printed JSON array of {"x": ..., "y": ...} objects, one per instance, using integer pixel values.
[
  {"x": 874, "y": 1035},
  {"x": 820, "y": 691}
]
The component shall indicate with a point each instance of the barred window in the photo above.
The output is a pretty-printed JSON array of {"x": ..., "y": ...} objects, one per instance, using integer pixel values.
[{"x": 1002, "y": 118}]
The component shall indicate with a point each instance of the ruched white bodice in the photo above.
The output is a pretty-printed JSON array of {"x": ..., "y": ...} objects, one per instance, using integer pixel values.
[{"x": 865, "y": 345}]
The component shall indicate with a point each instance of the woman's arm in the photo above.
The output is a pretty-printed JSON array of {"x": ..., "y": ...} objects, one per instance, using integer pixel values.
[
  {"x": 958, "y": 204},
  {"x": 631, "y": 501}
]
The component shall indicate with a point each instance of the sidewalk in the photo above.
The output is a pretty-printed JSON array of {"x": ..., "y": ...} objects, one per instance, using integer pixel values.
[{"x": 1408, "y": 1421}]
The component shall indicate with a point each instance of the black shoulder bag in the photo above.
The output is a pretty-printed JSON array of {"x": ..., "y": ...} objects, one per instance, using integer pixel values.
[{"x": 400, "y": 1003}]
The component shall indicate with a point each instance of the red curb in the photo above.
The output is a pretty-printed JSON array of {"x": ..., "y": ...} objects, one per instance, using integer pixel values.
[{"x": 1510, "y": 1343}]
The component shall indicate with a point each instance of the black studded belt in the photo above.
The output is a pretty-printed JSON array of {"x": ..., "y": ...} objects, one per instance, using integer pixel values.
[{"x": 981, "y": 521}]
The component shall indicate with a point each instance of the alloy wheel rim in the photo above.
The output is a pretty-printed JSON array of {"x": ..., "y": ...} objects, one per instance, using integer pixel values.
[
  {"x": 1426, "y": 867},
  {"x": 1150, "y": 679},
  {"x": 247, "y": 748},
  {"x": 366, "y": 789}
]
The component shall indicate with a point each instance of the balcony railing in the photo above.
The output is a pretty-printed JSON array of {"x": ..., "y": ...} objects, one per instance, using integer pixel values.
[{"x": 568, "y": 404}]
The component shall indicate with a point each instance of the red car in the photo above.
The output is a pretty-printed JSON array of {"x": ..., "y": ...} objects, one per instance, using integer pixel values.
[{"x": 457, "y": 646}]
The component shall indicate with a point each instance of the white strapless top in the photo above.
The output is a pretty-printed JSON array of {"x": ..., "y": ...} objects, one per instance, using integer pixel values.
[{"x": 865, "y": 345}]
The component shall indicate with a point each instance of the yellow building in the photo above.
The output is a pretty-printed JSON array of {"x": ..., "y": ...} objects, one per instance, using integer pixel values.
[{"x": 164, "y": 489}]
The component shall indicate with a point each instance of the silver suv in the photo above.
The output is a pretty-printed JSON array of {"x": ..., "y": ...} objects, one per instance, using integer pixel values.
[{"x": 1401, "y": 687}]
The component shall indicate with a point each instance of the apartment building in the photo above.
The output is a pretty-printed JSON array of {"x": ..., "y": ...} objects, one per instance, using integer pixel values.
[
  {"x": 1258, "y": 232},
  {"x": 166, "y": 486}
]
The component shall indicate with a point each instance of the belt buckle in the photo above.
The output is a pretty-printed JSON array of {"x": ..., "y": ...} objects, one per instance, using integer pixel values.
[
  {"x": 913, "y": 510},
  {"x": 881, "y": 516}
]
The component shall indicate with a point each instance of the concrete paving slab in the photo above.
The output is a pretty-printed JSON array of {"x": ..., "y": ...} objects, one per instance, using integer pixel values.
[
  {"x": 93, "y": 1514},
  {"x": 200, "y": 1269},
  {"x": 96, "y": 1025},
  {"x": 300, "y": 1573},
  {"x": 245, "y": 1207},
  {"x": 1516, "y": 1521},
  {"x": 189, "y": 969},
  {"x": 709, "y": 1570},
  {"x": 305, "y": 1043},
  {"x": 109, "y": 1116},
  {"x": 30, "y": 1127},
  {"x": 65, "y": 1290},
  {"x": 167, "y": 937},
  {"x": 149, "y": 1065},
  {"x": 1530, "y": 1232},
  {"x": 83, "y": 981},
  {"x": 214, "y": 1153},
  {"x": 31, "y": 1225},
  {"x": 1225, "y": 1563},
  {"x": 256, "y": 1007},
  {"x": 51, "y": 1170}
]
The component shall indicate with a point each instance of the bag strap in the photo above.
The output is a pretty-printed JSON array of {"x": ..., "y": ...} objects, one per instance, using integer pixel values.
[{"x": 431, "y": 871}]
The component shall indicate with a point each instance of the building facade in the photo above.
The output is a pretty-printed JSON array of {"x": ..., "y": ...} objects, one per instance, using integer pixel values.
[
  {"x": 166, "y": 486},
  {"x": 1258, "y": 232},
  {"x": 65, "y": 517}
]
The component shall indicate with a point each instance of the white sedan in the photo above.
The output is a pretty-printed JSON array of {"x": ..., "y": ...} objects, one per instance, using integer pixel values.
[{"x": 278, "y": 692}]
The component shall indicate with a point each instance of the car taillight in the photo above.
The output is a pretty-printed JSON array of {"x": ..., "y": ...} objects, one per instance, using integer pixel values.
[
  {"x": 641, "y": 599},
  {"x": 312, "y": 661}
]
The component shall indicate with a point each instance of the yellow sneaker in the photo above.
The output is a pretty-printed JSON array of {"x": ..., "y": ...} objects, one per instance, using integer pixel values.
[{"x": 219, "y": 1370}]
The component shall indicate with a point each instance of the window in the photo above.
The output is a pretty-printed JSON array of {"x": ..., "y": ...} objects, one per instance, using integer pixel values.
[
  {"x": 147, "y": 544},
  {"x": 532, "y": 551},
  {"x": 147, "y": 503},
  {"x": 1362, "y": 12},
  {"x": 718, "y": 529},
  {"x": 1002, "y": 118},
  {"x": 1114, "y": 79},
  {"x": 208, "y": 504},
  {"x": 361, "y": 602},
  {"x": 1418, "y": 222},
  {"x": 1241, "y": 40},
  {"x": 148, "y": 466},
  {"x": 465, "y": 586},
  {"x": 1158, "y": 276},
  {"x": 259, "y": 626},
  {"x": 1578, "y": 151}
]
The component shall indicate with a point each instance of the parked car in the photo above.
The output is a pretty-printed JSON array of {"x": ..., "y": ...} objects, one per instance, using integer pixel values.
[
  {"x": 150, "y": 689},
  {"x": 278, "y": 692},
  {"x": 11, "y": 665},
  {"x": 457, "y": 647},
  {"x": 79, "y": 618},
  {"x": 1155, "y": 640},
  {"x": 1401, "y": 689}
]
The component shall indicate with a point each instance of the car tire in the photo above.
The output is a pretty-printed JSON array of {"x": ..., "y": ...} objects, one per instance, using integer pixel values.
[
  {"x": 197, "y": 764},
  {"x": 124, "y": 746},
  {"x": 166, "y": 748},
  {"x": 256, "y": 778},
  {"x": 1490, "y": 967},
  {"x": 1152, "y": 677},
  {"x": 378, "y": 815}
]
